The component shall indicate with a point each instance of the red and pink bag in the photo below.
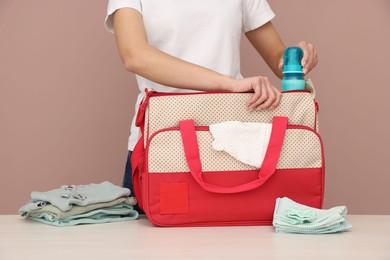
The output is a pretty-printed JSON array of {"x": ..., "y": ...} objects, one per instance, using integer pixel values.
[{"x": 180, "y": 180}]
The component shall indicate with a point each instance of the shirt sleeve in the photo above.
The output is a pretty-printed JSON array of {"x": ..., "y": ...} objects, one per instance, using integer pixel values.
[
  {"x": 255, "y": 14},
  {"x": 114, "y": 5}
]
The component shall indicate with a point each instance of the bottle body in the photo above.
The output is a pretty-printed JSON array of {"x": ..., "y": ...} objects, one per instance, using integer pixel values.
[
  {"x": 292, "y": 70},
  {"x": 293, "y": 81}
]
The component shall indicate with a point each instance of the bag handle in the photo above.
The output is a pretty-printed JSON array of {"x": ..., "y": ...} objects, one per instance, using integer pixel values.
[{"x": 191, "y": 151}]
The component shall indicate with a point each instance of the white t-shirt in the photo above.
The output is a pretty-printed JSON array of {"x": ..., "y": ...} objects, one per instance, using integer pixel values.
[{"x": 206, "y": 33}]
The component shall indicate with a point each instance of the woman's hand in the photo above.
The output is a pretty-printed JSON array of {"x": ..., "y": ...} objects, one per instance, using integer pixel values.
[
  {"x": 265, "y": 96},
  {"x": 309, "y": 59}
]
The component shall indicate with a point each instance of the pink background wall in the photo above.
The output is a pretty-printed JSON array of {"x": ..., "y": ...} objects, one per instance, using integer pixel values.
[{"x": 66, "y": 101}]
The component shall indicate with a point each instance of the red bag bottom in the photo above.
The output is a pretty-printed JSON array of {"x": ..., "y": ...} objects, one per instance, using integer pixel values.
[{"x": 175, "y": 199}]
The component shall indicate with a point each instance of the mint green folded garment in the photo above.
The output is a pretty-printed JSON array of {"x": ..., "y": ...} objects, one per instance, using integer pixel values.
[
  {"x": 292, "y": 217},
  {"x": 121, "y": 212},
  {"x": 77, "y": 210},
  {"x": 68, "y": 195}
]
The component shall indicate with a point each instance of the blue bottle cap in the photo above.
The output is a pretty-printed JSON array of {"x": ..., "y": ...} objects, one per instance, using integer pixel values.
[{"x": 292, "y": 60}]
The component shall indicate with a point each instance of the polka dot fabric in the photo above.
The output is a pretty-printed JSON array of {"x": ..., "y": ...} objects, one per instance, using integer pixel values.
[
  {"x": 207, "y": 109},
  {"x": 302, "y": 146},
  {"x": 301, "y": 149}
]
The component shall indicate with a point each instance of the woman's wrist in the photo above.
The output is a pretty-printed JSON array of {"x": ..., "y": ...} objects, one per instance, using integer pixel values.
[{"x": 226, "y": 84}]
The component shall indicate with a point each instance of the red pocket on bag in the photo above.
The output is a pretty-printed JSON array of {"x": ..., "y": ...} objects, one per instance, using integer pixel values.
[{"x": 174, "y": 198}]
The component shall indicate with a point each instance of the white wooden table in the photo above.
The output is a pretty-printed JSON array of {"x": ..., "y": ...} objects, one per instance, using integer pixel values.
[{"x": 369, "y": 238}]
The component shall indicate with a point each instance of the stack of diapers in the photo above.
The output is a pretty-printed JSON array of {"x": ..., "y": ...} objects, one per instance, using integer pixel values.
[
  {"x": 292, "y": 217},
  {"x": 83, "y": 204}
]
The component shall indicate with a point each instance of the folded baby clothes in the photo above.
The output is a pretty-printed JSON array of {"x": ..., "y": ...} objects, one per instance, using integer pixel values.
[
  {"x": 120, "y": 212},
  {"x": 292, "y": 217},
  {"x": 66, "y": 196},
  {"x": 77, "y": 210},
  {"x": 245, "y": 141}
]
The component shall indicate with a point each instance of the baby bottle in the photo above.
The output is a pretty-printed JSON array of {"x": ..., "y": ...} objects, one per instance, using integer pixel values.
[{"x": 292, "y": 70}]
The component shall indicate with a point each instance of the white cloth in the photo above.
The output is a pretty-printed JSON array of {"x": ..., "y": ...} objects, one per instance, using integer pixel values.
[
  {"x": 245, "y": 141},
  {"x": 206, "y": 33}
]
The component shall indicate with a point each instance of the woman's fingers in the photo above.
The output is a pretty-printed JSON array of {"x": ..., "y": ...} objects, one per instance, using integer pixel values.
[
  {"x": 278, "y": 96},
  {"x": 255, "y": 84},
  {"x": 265, "y": 95},
  {"x": 270, "y": 98},
  {"x": 309, "y": 59}
]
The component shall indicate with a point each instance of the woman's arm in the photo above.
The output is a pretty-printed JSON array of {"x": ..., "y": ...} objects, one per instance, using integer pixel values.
[
  {"x": 270, "y": 46},
  {"x": 151, "y": 63},
  {"x": 143, "y": 59}
]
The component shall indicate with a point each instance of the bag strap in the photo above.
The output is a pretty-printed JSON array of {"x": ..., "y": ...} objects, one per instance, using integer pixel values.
[{"x": 191, "y": 150}]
